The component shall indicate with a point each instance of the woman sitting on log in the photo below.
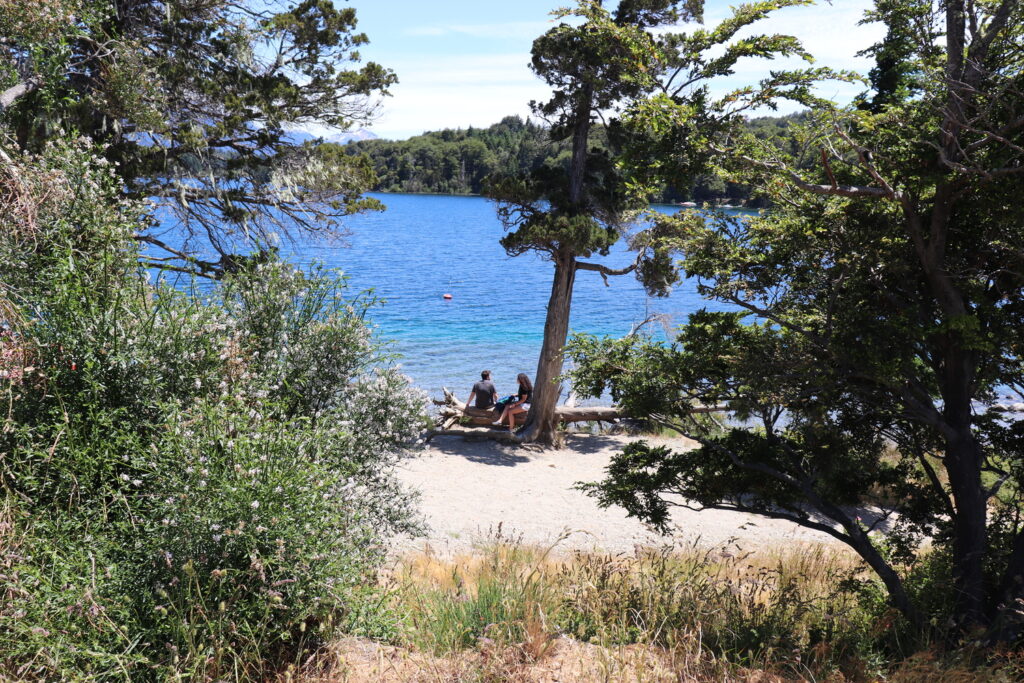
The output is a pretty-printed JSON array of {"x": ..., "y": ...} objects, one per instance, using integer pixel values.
[{"x": 521, "y": 405}]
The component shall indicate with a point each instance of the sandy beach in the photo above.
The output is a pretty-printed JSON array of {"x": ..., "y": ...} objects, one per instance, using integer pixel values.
[{"x": 470, "y": 488}]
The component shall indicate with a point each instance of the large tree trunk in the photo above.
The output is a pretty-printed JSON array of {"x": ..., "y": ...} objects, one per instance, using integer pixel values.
[
  {"x": 964, "y": 458},
  {"x": 542, "y": 424},
  {"x": 970, "y": 529}
]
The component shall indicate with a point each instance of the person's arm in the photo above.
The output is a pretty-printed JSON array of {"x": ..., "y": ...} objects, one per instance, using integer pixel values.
[
  {"x": 469, "y": 401},
  {"x": 520, "y": 399}
]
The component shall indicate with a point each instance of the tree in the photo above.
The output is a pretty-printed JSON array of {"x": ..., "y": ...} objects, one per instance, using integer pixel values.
[
  {"x": 605, "y": 64},
  {"x": 193, "y": 102},
  {"x": 887, "y": 301}
]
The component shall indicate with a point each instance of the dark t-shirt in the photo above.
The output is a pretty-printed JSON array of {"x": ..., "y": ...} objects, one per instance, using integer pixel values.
[
  {"x": 485, "y": 391},
  {"x": 528, "y": 393}
]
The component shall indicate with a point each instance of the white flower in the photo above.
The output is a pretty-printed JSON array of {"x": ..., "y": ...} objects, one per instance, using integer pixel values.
[{"x": 255, "y": 504}]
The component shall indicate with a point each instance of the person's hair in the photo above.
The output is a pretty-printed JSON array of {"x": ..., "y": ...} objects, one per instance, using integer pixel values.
[
  {"x": 486, "y": 374},
  {"x": 525, "y": 381}
]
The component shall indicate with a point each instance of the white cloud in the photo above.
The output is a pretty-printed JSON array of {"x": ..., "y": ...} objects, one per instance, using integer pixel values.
[
  {"x": 512, "y": 30},
  {"x": 445, "y": 91},
  {"x": 453, "y": 92},
  {"x": 421, "y": 108}
]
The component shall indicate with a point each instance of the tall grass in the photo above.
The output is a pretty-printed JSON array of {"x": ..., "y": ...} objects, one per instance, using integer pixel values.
[
  {"x": 783, "y": 610},
  {"x": 500, "y": 595}
]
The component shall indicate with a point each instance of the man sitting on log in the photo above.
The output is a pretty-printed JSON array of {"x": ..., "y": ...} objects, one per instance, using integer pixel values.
[{"x": 484, "y": 392}]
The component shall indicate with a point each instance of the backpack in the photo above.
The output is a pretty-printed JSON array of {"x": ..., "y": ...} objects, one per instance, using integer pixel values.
[{"x": 500, "y": 405}]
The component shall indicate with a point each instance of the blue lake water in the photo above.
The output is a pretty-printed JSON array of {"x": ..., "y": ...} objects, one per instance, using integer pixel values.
[{"x": 425, "y": 246}]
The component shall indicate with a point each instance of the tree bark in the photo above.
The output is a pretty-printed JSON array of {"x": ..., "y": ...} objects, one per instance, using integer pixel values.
[
  {"x": 580, "y": 136},
  {"x": 542, "y": 423},
  {"x": 1007, "y": 622},
  {"x": 9, "y": 96},
  {"x": 964, "y": 458}
]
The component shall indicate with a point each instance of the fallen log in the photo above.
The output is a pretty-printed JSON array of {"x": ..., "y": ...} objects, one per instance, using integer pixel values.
[
  {"x": 452, "y": 407},
  {"x": 454, "y": 418}
]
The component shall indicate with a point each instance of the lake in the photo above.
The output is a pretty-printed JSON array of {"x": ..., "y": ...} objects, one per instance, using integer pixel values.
[{"x": 426, "y": 246}]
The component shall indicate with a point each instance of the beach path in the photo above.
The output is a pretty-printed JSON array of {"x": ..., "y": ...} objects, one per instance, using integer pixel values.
[{"x": 469, "y": 488}]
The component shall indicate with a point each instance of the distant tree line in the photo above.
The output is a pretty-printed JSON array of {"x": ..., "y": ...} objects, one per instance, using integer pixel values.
[{"x": 459, "y": 161}]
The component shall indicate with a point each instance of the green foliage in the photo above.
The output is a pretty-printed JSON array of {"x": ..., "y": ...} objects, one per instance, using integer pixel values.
[
  {"x": 899, "y": 65},
  {"x": 198, "y": 483},
  {"x": 461, "y": 161},
  {"x": 57, "y": 616},
  {"x": 879, "y": 315},
  {"x": 193, "y": 103}
]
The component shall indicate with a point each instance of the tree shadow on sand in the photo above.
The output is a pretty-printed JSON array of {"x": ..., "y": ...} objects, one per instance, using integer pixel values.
[
  {"x": 483, "y": 451},
  {"x": 588, "y": 444},
  {"x": 489, "y": 452}
]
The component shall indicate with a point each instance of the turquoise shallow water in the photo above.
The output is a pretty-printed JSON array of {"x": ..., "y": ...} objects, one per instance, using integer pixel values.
[{"x": 425, "y": 246}]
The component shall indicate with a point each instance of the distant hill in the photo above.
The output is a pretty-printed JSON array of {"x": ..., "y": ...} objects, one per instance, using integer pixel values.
[
  {"x": 457, "y": 161},
  {"x": 352, "y": 135},
  {"x": 300, "y": 136}
]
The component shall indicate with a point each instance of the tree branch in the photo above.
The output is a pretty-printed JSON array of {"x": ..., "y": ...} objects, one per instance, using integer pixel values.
[
  {"x": 851, "y": 191},
  {"x": 9, "y": 96},
  {"x": 605, "y": 271}
]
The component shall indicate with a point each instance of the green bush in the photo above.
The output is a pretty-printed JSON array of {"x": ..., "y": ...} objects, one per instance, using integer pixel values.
[
  {"x": 197, "y": 483},
  {"x": 58, "y": 618}
]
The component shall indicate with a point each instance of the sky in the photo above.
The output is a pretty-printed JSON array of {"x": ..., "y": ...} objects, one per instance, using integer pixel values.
[{"x": 462, "y": 63}]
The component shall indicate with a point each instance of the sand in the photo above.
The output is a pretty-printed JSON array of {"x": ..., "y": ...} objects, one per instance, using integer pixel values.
[{"x": 470, "y": 489}]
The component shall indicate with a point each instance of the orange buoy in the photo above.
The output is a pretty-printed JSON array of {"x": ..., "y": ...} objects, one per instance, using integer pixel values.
[{"x": 447, "y": 296}]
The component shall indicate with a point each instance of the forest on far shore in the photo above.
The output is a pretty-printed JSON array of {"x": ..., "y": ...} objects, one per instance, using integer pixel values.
[{"x": 459, "y": 161}]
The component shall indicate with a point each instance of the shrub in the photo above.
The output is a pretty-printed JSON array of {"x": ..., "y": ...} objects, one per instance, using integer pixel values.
[{"x": 217, "y": 462}]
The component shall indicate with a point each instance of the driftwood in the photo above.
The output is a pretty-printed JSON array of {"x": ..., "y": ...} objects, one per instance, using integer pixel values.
[
  {"x": 454, "y": 418},
  {"x": 452, "y": 410}
]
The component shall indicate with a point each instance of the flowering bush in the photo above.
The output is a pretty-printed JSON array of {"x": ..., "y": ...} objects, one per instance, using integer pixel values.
[
  {"x": 219, "y": 468},
  {"x": 257, "y": 543}
]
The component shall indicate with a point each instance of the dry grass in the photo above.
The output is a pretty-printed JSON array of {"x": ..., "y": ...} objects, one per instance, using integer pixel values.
[
  {"x": 354, "y": 660},
  {"x": 511, "y": 612}
]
